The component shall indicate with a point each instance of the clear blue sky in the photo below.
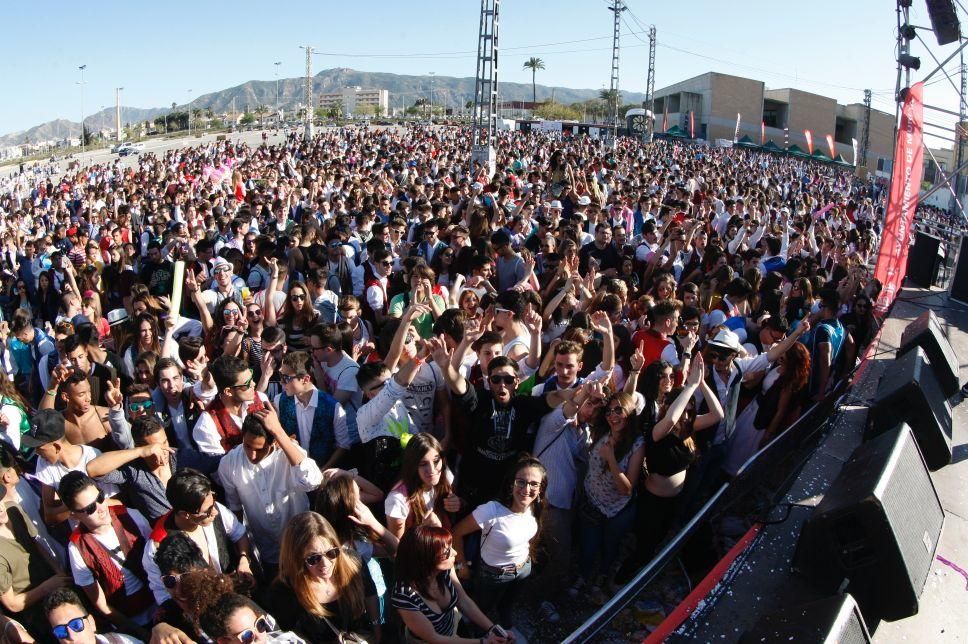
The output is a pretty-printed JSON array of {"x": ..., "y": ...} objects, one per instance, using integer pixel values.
[{"x": 158, "y": 51}]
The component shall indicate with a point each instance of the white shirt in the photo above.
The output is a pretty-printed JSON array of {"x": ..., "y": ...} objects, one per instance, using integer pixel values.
[
  {"x": 50, "y": 474},
  {"x": 505, "y": 535},
  {"x": 271, "y": 492},
  {"x": 206, "y": 435},
  {"x": 397, "y": 506},
  {"x": 234, "y": 530},
  {"x": 305, "y": 414},
  {"x": 83, "y": 575},
  {"x": 384, "y": 414}
]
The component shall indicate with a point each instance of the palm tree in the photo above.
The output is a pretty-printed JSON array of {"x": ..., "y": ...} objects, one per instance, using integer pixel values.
[
  {"x": 534, "y": 64},
  {"x": 610, "y": 97}
]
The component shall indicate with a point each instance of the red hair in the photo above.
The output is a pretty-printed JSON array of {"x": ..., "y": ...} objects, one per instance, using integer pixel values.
[
  {"x": 420, "y": 551},
  {"x": 796, "y": 371}
]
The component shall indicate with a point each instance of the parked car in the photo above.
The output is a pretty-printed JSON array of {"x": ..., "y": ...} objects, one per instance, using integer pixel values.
[{"x": 130, "y": 148}]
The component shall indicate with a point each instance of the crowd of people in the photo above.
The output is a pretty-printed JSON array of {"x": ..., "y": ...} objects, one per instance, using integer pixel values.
[{"x": 358, "y": 388}]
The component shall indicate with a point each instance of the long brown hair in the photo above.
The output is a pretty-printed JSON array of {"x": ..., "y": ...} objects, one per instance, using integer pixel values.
[
  {"x": 418, "y": 554},
  {"x": 419, "y": 446},
  {"x": 601, "y": 429},
  {"x": 296, "y": 540}
]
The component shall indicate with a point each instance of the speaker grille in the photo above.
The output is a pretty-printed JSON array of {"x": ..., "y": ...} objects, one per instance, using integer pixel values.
[{"x": 902, "y": 491}]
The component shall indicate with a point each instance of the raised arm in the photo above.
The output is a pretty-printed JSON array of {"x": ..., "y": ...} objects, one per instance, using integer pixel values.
[
  {"x": 442, "y": 356},
  {"x": 269, "y": 308}
]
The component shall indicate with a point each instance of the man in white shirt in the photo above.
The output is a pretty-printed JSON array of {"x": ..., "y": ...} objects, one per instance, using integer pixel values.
[
  {"x": 219, "y": 428},
  {"x": 268, "y": 476}
]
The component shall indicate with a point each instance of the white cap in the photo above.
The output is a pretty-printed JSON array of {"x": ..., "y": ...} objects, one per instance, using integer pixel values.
[{"x": 725, "y": 339}]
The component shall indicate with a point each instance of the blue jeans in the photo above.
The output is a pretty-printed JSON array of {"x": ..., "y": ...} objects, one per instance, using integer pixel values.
[
  {"x": 496, "y": 592},
  {"x": 604, "y": 538}
]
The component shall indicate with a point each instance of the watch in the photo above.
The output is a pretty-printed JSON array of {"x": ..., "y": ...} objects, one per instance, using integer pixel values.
[{"x": 686, "y": 354}]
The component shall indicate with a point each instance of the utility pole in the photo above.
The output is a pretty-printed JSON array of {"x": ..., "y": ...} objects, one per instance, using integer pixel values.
[
  {"x": 650, "y": 88},
  {"x": 277, "y": 63},
  {"x": 617, "y": 8},
  {"x": 431, "y": 118},
  {"x": 117, "y": 101},
  {"x": 485, "y": 89},
  {"x": 865, "y": 138},
  {"x": 83, "y": 146},
  {"x": 189, "y": 113},
  {"x": 308, "y": 92}
]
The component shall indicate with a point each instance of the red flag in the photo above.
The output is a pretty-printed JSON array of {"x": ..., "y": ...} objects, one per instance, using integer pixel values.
[
  {"x": 239, "y": 192},
  {"x": 692, "y": 124},
  {"x": 903, "y": 200},
  {"x": 762, "y": 132},
  {"x": 809, "y": 136},
  {"x": 830, "y": 144}
]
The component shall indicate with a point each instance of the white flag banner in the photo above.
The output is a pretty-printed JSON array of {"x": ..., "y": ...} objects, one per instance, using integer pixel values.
[
  {"x": 736, "y": 132},
  {"x": 853, "y": 142}
]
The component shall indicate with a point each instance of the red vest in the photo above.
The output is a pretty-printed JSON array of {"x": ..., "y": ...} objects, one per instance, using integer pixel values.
[
  {"x": 229, "y": 433},
  {"x": 108, "y": 576},
  {"x": 652, "y": 343}
]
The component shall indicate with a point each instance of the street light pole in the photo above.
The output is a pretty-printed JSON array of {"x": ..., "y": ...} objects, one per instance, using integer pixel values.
[
  {"x": 82, "y": 68},
  {"x": 117, "y": 93},
  {"x": 277, "y": 63}
]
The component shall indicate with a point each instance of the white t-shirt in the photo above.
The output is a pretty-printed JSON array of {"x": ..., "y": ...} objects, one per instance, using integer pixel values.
[
  {"x": 396, "y": 505},
  {"x": 506, "y": 535},
  {"x": 342, "y": 377},
  {"x": 83, "y": 575},
  {"x": 14, "y": 417},
  {"x": 419, "y": 397},
  {"x": 51, "y": 473}
]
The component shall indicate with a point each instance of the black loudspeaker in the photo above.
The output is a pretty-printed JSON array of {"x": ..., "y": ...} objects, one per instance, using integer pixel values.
[
  {"x": 923, "y": 260},
  {"x": 910, "y": 393},
  {"x": 926, "y": 332},
  {"x": 944, "y": 21},
  {"x": 836, "y": 619},
  {"x": 959, "y": 283},
  {"x": 525, "y": 126},
  {"x": 877, "y": 527}
]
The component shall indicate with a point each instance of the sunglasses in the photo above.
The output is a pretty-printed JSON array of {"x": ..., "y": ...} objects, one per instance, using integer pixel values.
[
  {"x": 719, "y": 355},
  {"x": 210, "y": 512},
  {"x": 170, "y": 581},
  {"x": 248, "y": 635},
  {"x": 286, "y": 378},
  {"x": 244, "y": 385},
  {"x": 92, "y": 508},
  {"x": 62, "y": 631},
  {"x": 614, "y": 411},
  {"x": 254, "y": 312},
  {"x": 502, "y": 380},
  {"x": 231, "y": 313},
  {"x": 297, "y": 297},
  {"x": 140, "y": 406},
  {"x": 386, "y": 263},
  {"x": 332, "y": 554},
  {"x": 219, "y": 271}
]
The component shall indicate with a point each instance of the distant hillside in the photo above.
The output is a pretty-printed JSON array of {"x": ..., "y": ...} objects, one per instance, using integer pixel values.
[{"x": 404, "y": 90}]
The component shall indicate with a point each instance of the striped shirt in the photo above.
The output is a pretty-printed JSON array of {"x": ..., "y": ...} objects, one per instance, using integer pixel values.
[{"x": 406, "y": 597}]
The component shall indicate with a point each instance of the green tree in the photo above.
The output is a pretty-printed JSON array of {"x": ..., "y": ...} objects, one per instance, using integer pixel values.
[
  {"x": 610, "y": 98},
  {"x": 336, "y": 110},
  {"x": 534, "y": 64},
  {"x": 557, "y": 112},
  {"x": 247, "y": 119}
]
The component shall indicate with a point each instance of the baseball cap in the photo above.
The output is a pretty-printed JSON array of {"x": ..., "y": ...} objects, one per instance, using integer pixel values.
[{"x": 46, "y": 426}]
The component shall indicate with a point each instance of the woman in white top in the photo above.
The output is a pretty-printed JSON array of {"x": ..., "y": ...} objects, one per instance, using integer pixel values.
[
  {"x": 424, "y": 493},
  {"x": 511, "y": 529}
]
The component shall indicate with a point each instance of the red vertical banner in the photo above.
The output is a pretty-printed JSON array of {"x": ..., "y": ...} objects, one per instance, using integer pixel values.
[
  {"x": 809, "y": 136},
  {"x": 692, "y": 124},
  {"x": 762, "y": 132},
  {"x": 830, "y": 144},
  {"x": 903, "y": 199}
]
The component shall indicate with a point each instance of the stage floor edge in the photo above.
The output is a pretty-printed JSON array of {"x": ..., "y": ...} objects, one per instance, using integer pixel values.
[{"x": 760, "y": 580}]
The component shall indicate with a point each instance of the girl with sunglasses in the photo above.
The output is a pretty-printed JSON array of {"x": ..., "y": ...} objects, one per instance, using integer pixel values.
[
  {"x": 605, "y": 509},
  {"x": 428, "y": 595},
  {"x": 332, "y": 588},
  {"x": 298, "y": 314}
]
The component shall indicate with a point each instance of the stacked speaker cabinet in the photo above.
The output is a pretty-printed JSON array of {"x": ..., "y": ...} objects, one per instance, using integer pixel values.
[
  {"x": 959, "y": 283},
  {"x": 876, "y": 529},
  {"x": 926, "y": 332},
  {"x": 923, "y": 261},
  {"x": 909, "y": 392},
  {"x": 834, "y": 620}
]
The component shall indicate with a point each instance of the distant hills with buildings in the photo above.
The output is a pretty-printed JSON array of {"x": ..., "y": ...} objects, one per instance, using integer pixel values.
[{"x": 403, "y": 91}]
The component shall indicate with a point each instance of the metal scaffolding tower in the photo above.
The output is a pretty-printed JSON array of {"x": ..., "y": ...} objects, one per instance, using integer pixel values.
[
  {"x": 960, "y": 134},
  {"x": 308, "y": 92},
  {"x": 865, "y": 138},
  {"x": 649, "y": 103},
  {"x": 485, "y": 89},
  {"x": 617, "y": 8}
]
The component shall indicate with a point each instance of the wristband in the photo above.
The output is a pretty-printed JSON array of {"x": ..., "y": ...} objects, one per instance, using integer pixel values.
[
  {"x": 51, "y": 393},
  {"x": 686, "y": 354}
]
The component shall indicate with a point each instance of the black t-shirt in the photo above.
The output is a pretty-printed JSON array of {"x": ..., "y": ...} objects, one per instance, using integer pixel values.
[
  {"x": 607, "y": 257},
  {"x": 291, "y": 616},
  {"x": 496, "y": 436}
]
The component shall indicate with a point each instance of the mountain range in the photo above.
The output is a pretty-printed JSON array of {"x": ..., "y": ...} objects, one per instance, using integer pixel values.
[{"x": 404, "y": 90}]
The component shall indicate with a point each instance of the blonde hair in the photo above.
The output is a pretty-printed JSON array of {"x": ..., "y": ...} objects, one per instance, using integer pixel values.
[{"x": 296, "y": 541}]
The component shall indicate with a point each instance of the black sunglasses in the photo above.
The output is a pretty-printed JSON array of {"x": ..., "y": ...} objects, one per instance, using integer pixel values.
[
  {"x": 170, "y": 581},
  {"x": 332, "y": 554},
  {"x": 502, "y": 380},
  {"x": 92, "y": 508}
]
